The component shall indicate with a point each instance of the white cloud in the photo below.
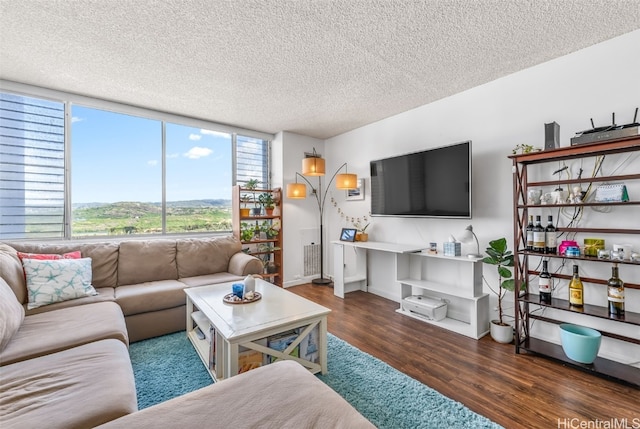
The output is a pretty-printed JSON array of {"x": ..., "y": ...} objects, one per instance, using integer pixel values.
[
  {"x": 215, "y": 133},
  {"x": 152, "y": 162},
  {"x": 198, "y": 152},
  {"x": 75, "y": 119},
  {"x": 195, "y": 137}
]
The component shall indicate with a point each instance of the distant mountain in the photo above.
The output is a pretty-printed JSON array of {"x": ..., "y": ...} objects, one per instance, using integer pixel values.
[{"x": 182, "y": 204}]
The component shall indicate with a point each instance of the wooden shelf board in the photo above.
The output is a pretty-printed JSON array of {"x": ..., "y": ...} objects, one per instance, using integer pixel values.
[
  {"x": 601, "y": 366},
  {"x": 589, "y": 310}
]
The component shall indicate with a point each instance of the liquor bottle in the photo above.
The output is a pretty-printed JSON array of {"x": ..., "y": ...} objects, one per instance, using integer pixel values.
[
  {"x": 544, "y": 283},
  {"x": 539, "y": 243},
  {"x": 615, "y": 293},
  {"x": 529, "y": 234},
  {"x": 550, "y": 237},
  {"x": 576, "y": 290}
]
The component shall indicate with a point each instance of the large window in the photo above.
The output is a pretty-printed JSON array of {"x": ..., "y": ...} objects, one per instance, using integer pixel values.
[{"x": 118, "y": 173}]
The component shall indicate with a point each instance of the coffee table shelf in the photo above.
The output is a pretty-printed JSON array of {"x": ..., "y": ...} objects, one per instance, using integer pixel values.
[{"x": 231, "y": 330}]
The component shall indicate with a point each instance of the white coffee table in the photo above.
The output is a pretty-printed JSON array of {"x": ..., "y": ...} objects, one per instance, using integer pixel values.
[{"x": 230, "y": 328}]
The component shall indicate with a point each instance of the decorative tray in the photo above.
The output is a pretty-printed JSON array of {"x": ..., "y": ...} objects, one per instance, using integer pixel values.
[{"x": 232, "y": 299}]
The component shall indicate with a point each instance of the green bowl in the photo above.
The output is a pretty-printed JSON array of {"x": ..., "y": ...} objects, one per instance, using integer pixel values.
[{"x": 579, "y": 343}]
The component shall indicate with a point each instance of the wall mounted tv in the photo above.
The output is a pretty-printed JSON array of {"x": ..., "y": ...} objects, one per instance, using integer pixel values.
[{"x": 431, "y": 183}]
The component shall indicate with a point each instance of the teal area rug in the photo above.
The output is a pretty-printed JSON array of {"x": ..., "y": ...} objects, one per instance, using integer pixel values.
[{"x": 168, "y": 366}]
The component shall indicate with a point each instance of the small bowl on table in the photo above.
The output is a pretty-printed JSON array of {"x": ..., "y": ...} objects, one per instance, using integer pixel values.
[{"x": 579, "y": 343}]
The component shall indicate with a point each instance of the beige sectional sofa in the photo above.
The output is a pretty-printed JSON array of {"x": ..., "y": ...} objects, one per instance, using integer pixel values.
[
  {"x": 66, "y": 364},
  {"x": 146, "y": 278}
]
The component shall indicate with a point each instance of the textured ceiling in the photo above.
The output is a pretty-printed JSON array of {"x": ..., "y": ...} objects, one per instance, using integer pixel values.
[{"x": 318, "y": 68}]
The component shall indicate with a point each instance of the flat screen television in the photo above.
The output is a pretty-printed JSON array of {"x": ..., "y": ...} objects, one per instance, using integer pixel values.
[{"x": 431, "y": 183}]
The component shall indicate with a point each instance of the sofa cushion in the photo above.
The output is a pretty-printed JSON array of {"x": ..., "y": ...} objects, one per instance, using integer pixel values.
[
  {"x": 104, "y": 294},
  {"x": 146, "y": 261},
  {"x": 12, "y": 272},
  {"x": 50, "y": 281},
  {"x": 280, "y": 395},
  {"x": 198, "y": 256},
  {"x": 210, "y": 279},
  {"x": 77, "y": 388},
  {"x": 150, "y": 296},
  {"x": 11, "y": 314},
  {"x": 57, "y": 330},
  {"x": 103, "y": 254}
]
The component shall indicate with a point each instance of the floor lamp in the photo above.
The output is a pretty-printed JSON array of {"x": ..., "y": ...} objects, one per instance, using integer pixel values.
[{"x": 314, "y": 166}]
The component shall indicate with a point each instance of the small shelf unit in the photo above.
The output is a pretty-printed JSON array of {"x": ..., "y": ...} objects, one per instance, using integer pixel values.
[
  {"x": 267, "y": 249},
  {"x": 457, "y": 280}
]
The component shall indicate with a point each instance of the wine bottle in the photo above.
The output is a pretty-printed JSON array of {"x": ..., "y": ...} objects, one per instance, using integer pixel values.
[
  {"x": 529, "y": 234},
  {"x": 550, "y": 237},
  {"x": 544, "y": 283},
  {"x": 615, "y": 293},
  {"x": 539, "y": 243},
  {"x": 576, "y": 290}
]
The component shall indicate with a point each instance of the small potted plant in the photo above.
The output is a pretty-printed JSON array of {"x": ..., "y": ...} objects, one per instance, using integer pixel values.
[
  {"x": 245, "y": 199},
  {"x": 267, "y": 201},
  {"x": 270, "y": 229},
  {"x": 361, "y": 228},
  {"x": 247, "y": 231},
  {"x": 251, "y": 184},
  {"x": 499, "y": 256}
]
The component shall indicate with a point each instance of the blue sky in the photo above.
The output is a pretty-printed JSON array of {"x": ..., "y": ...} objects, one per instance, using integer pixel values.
[{"x": 117, "y": 157}]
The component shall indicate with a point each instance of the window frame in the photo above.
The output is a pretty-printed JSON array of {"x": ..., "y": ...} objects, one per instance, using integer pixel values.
[{"x": 70, "y": 99}]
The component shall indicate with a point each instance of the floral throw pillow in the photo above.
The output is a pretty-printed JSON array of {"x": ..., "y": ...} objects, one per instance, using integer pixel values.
[{"x": 57, "y": 280}]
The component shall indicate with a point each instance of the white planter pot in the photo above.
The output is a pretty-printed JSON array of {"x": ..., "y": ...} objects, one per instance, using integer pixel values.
[{"x": 501, "y": 334}]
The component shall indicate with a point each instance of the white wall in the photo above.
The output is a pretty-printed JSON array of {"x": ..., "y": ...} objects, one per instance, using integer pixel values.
[
  {"x": 300, "y": 218},
  {"x": 497, "y": 116}
]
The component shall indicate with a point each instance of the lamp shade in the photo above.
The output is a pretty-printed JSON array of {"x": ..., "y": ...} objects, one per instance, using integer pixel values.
[
  {"x": 346, "y": 181},
  {"x": 296, "y": 190},
  {"x": 313, "y": 166}
]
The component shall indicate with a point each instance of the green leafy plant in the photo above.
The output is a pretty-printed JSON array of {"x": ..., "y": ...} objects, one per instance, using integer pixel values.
[
  {"x": 267, "y": 200},
  {"x": 525, "y": 148},
  {"x": 251, "y": 184},
  {"x": 247, "y": 231},
  {"x": 269, "y": 229},
  {"x": 502, "y": 258}
]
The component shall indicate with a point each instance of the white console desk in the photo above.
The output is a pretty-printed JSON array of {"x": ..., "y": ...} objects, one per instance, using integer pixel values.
[
  {"x": 455, "y": 279},
  {"x": 358, "y": 281}
]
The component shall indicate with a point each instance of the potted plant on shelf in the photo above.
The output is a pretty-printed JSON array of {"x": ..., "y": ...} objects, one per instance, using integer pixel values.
[
  {"x": 247, "y": 231},
  {"x": 499, "y": 256},
  {"x": 251, "y": 184},
  {"x": 271, "y": 229},
  {"x": 268, "y": 202},
  {"x": 245, "y": 199}
]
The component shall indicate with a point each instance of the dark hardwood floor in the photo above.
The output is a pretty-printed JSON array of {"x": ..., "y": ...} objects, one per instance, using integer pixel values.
[{"x": 514, "y": 390}]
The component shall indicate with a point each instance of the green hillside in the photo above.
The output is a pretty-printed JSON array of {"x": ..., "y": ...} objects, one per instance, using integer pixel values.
[{"x": 146, "y": 218}]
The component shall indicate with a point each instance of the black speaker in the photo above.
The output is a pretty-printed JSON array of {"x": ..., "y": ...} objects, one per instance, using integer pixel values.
[{"x": 551, "y": 136}]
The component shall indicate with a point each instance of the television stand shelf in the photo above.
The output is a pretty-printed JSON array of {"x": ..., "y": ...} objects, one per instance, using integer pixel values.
[{"x": 457, "y": 280}]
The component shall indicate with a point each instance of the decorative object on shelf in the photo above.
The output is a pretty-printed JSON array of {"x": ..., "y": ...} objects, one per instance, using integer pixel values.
[
  {"x": 356, "y": 193},
  {"x": 270, "y": 228},
  {"x": 452, "y": 247},
  {"x": 579, "y": 343},
  {"x": 245, "y": 199},
  {"x": 534, "y": 196},
  {"x": 562, "y": 248},
  {"x": 433, "y": 249},
  {"x": 362, "y": 234},
  {"x": 525, "y": 148},
  {"x": 612, "y": 193},
  {"x": 314, "y": 165},
  {"x": 501, "y": 257},
  {"x": 468, "y": 236},
  {"x": 247, "y": 231},
  {"x": 592, "y": 245}
]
